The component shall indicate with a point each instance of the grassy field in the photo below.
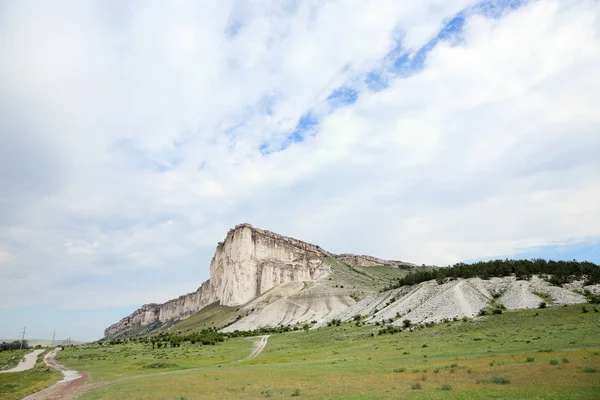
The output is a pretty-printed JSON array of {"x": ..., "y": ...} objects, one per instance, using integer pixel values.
[
  {"x": 551, "y": 353},
  {"x": 10, "y": 358},
  {"x": 16, "y": 385}
]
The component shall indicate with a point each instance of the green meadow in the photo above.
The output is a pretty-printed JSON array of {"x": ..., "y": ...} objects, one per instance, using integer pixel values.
[
  {"x": 551, "y": 353},
  {"x": 10, "y": 358},
  {"x": 16, "y": 385}
]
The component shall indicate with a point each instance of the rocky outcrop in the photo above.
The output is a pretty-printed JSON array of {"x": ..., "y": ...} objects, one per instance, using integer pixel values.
[
  {"x": 369, "y": 261},
  {"x": 251, "y": 261},
  {"x": 248, "y": 263}
]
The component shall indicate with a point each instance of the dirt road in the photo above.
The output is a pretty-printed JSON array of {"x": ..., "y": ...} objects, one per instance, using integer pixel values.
[
  {"x": 259, "y": 347},
  {"x": 28, "y": 362},
  {"x": 72, "y": 384}
]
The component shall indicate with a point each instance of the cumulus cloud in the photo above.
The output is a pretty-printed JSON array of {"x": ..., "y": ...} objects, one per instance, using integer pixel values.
[{"x": 136, "y": 133}]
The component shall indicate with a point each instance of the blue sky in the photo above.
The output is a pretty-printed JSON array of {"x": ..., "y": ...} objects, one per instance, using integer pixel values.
[{"x": 135, "y": 134}]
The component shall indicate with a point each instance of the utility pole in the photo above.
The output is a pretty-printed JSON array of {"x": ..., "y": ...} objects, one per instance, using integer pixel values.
[
  {"x": 23, "y": 336},
  {"x": 53, "y": 335},
  {"x": 69, "y": 340}
]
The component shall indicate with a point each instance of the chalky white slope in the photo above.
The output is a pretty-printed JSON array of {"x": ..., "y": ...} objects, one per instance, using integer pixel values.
[{"x": 433, "y": 302}]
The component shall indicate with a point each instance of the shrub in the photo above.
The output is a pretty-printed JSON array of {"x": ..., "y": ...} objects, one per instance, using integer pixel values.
[
  {"x": 500, "y": 380},
  {"x": 530, "y": 359},
  {"x": 158, "y": 365},
  {"x": 590, "y": 370},
  {"x": 584, "y": 309},
  {"x": 553, "y": 362},
  {"x": 445, "y": 386},
  {"x": 565, "y": 360},
  {"x": 435, "y": 371},
  {"x": 415, "y": 386},
  {"x": 296, "y": 393},
  {"x": 399, "y": 370},
  {"x": 406, "y": 323},
  {"x": 542, "y": 304}
]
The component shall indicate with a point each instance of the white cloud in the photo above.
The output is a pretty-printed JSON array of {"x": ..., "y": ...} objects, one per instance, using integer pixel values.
[{"x": 132, "y": 136}]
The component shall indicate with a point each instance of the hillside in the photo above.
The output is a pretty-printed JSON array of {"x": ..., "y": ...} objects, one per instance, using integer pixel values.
[{"x": 259, "y": 278}]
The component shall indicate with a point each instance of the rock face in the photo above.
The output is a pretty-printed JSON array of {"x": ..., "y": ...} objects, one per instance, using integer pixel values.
[
  {"x": 248, "y": 263},
  {"x": 251, "y": 261},
  {"x": 369, "y": 261}
]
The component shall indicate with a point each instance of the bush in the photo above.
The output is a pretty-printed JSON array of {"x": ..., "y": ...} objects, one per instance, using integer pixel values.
[
  {"x": 553, "y": 362},
  {"x": 399, "y": 370},
  {"x": 445, "y": 386},
  {"x": 406, "y": 323},
  {"x": 415, "y": 386},
  {"x": 530, "y": 359},
  {"x": 158, "y": 365},
  {"x": 584, "y": 309},
  {"x": 296, "y": 393},
  {"x": 500, "y": 380},
  {"x": 542, "y": 304},
  {"x": 590, "y": 370},
  {"x": 565, "y": 360}
]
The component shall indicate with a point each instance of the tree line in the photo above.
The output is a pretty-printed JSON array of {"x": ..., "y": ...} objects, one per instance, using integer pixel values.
[
  {"x": 559, "y": 272},
  {"x": 15, "y": 345}
]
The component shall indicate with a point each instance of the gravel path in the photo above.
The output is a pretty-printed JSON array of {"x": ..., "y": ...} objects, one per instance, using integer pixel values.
[
  {"x": 259, "y": 346},
  {"x": 27, "y": 363}
]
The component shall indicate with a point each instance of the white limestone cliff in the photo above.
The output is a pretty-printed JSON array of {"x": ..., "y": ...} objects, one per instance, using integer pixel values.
[{"x": 248, "y": 263}]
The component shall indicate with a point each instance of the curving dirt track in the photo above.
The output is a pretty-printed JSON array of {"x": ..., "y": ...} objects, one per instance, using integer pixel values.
[
  {"x": 258, "y": 347},
  {"x": 27, "y": 363},
  {"x": 70, "y": 386}
]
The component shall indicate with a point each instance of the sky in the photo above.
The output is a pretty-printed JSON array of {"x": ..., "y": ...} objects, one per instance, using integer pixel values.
[{"x": 134, "y": 134}]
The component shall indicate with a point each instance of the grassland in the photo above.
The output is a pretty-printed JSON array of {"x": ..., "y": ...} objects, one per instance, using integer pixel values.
[
  {"x": 16, "y": 385},
  {"x": 552, "y": 353},
  {"x": 370, "y": 279},
  {"x": 211, "y": 316},
  {"x": 10, "y": 358}
]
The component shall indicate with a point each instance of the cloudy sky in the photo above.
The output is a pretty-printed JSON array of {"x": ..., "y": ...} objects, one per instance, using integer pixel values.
[{"x": 134, "y": 134}]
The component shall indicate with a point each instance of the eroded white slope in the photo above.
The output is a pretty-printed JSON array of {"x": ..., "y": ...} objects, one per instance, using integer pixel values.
[
  {"x": 430, "y": 301},
  {"x": 293, "y": 303}
]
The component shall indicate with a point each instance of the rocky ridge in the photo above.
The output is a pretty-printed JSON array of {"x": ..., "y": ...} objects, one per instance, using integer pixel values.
[{"x": 370, "y": 261}]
